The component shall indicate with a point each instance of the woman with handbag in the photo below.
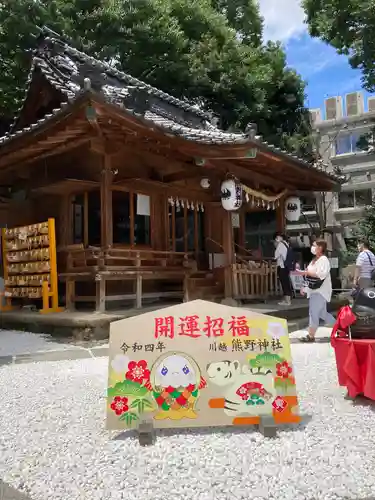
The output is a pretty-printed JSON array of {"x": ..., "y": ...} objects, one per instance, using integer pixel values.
[{"x": 318, "y": 289}]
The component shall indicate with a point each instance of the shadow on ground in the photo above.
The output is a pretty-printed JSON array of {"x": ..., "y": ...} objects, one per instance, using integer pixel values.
[
  {"x": 9, "y": 493},
  {"x": 206, "y": 431}
]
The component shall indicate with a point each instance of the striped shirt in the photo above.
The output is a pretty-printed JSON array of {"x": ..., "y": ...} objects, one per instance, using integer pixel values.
[{"x": 366, "y": 261}]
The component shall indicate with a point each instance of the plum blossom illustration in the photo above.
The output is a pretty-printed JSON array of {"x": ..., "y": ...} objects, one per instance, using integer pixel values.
[
  {"x": 138, "y": 371},
  {"x": 283, "y": 369},
  {"x": 120, "y": 363},
  {"x": 276, "y": 330},
  {"x": 119, "y": 405}
]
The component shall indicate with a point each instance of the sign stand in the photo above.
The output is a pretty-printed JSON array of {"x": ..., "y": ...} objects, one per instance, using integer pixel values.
[
  {"x": 146, "y": 433},
  {"x": 267, "y": 427}
]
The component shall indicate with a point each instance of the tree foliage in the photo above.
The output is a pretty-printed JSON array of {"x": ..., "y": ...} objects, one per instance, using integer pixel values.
[
  {"x": 207, "y": 51},
  {"x": 349, "y": 26},
  {"x": 366, "y": 226}
]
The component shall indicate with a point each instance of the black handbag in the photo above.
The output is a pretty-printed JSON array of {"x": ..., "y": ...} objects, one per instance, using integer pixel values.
[{"x": 314, "y": 283}]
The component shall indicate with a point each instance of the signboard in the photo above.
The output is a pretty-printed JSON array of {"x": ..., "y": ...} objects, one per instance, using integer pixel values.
[
  {"x": 200, "y": 364},
  {"x": 297, "y": 280}
]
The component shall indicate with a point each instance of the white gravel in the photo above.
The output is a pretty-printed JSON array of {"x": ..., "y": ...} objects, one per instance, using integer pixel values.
[
  {"x": 53, "y": 443},
  {"x": 14, "y": 343}
]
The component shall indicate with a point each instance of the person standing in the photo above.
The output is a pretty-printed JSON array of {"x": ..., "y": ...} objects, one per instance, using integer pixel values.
[
  {"x": 318, "y": 289},
  {"x": 281, "y": 257},
  {"x": 364, "y": 266}
]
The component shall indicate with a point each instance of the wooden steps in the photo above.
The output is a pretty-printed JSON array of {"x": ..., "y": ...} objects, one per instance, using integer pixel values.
[{"x": 203, "y": 285}]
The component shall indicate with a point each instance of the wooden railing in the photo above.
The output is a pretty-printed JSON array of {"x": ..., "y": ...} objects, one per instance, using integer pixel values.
[
  {"x": 95, "y": 259},
  {"x": 255, "y": 280},
  {"x": 251, "y": 278},
  {"x": 104, "y": 265}
]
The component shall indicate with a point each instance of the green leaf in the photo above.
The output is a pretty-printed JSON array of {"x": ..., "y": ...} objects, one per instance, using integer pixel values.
[
  {"x": 129, "y": 418},
  {"x": 127, "y": 388},
  {"x": 265, "y": 360}
]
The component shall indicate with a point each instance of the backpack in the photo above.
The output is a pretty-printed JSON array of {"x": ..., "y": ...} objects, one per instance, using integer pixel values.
[
  {"x": 290, "y": 259},
  {"x": 373, "y": 266}
]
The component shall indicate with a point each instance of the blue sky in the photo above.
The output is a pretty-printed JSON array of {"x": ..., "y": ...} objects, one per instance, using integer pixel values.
[{"x": 327, "y": 73}]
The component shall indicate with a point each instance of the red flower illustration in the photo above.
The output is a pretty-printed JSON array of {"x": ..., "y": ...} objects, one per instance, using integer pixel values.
[
  {"x": 119, "y": 405},
  {"x": 137, "y": 371},
  {"x": 283, "y": 369}
]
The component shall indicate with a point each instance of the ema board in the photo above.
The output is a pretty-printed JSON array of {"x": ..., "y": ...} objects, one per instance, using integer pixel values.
[{"x": 200, "y": 364}]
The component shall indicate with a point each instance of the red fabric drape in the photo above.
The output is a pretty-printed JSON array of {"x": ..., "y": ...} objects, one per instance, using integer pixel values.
[{"x": 355, "y": 361}]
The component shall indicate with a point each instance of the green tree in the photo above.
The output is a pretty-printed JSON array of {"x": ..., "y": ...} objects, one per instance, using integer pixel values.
[
  {"x": 244, "y": 17},
  {"x": 366, "y": 226},
  {"x": 207, "y": 51},
  {"x": 349, "y": 26}
]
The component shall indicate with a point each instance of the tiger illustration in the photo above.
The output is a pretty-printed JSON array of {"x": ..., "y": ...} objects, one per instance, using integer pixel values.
[{"x": 245, "y": 392}]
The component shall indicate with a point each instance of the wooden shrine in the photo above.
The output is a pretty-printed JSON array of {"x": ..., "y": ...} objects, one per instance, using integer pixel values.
[{"x": 132, "y": 177}]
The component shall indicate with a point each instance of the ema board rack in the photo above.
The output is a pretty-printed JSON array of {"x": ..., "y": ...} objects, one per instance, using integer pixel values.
[{"x": 30, "y": 266}]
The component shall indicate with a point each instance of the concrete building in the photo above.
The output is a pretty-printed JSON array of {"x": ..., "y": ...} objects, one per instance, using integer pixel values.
[{"x": 338, "y": 128}]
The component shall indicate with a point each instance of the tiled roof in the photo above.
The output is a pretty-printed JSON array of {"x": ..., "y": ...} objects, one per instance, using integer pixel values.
[{"x": 69, "y": 70}]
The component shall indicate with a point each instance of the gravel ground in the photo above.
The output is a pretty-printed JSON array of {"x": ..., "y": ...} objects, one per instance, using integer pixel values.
[
  {"x": 13, "y": 343},
  {"x": 53, "y": 443}
]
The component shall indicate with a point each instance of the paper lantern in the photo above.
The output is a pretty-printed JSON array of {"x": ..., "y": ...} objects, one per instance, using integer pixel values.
[
  {"x": 293, "y": 209},
  {"x": 231, "y": 195}
]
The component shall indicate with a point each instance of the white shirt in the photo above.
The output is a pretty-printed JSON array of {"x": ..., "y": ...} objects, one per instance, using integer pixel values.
[
  {"x": 322, "y": 269},
  {"x": 366, "y": 261},
  {"x": 281, "y": 253}
]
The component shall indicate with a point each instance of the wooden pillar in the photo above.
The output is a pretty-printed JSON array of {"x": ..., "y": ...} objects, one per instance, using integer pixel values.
[
  {"x": 228, "y": 248},
  {"x": 86, "y": 219},
  {"x": 280, "y": 216},
  {"x": 106, "y": 203}
]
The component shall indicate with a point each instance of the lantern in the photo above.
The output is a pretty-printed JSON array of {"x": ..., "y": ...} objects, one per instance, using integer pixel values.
[
  {"x": 293, "y": 209},
  {"x": 231, "y": 195}
]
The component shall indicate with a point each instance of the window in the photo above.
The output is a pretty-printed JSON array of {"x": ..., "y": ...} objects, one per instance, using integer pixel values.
[
  {"x": 94, "y": 218},
  {"x": 86, "y": 226},
  {"x": 260, "y": 228},
  {"x": 308, "y": 203},
  {"x": 78, "y": 219},
  {"x": 186, "y": 229},
  {"x": 348, "y": 143},
  {"x": 353, "y": 199},
  {"x": 131, "y": 218}
]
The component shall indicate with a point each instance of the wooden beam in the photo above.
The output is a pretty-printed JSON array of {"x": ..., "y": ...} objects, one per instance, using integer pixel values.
[
  {"x": 61, "y": 149},
  {"x": 250, "y": 175},
  {"x": 228, "y": 248},
  {"x": 49, "y": 177},
  {"x": 182, "y": 175},
  {"x": 148, "y": 187}
]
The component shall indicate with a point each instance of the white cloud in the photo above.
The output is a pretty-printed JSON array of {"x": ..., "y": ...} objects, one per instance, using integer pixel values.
[{"x": 283, "y": 19}]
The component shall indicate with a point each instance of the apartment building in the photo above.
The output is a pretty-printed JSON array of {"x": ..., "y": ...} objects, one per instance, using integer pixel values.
[{"x": 337, "y": 129}]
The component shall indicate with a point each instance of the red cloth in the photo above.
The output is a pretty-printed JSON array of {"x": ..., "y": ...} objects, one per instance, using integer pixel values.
[{"x": 355, "y": 361}]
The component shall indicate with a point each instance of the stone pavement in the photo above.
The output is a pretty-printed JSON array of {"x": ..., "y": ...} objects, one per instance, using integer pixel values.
[{"x": 9, "y": 493}]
